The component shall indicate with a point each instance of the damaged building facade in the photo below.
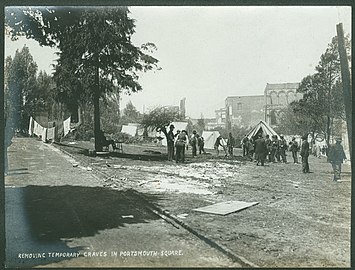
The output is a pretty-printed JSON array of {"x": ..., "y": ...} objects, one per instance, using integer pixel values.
[{"x": 247, "y": 111}]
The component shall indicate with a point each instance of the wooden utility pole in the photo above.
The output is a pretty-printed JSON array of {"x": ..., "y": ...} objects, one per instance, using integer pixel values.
[{"x": 345, "y": 76}]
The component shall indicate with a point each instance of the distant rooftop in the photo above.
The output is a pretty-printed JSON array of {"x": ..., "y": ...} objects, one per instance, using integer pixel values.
[
  {"x": 276, "y": 86},
  {"x": 253, "y": 96}
]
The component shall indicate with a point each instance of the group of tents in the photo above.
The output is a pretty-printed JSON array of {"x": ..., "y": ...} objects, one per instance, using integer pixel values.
[{"x": 209, "y": 136}]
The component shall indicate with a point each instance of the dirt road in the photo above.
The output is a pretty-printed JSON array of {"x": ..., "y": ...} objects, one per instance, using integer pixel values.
[
  {"x": 59, "y": 214},
  {"x": 302, "y": 220}
]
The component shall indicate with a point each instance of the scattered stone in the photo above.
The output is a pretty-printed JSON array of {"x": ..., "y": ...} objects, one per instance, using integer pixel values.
[{"x": 273, "y": 197}]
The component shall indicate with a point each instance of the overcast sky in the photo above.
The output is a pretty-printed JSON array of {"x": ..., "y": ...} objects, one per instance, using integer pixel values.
[{"x": 209, "y": 53}]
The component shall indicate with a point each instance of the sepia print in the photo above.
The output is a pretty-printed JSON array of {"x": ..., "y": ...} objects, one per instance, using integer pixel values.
[{"x": 177, "y": 136}]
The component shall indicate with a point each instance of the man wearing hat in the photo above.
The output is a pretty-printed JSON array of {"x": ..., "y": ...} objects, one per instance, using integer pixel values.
[
  {"x": 170, "y": 143},
  {"x": 304, "y": 154},
  {"x": 336, "y": 155},
  {"x": 193, "y": 142}
]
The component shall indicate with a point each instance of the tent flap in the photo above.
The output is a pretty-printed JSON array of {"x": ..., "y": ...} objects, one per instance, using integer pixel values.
[{"x": 264, "y": 128}]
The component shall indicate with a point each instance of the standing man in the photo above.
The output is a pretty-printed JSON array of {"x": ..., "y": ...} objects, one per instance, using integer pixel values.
[
  {"x": 274, "y": 147},
  {"x": 260, "y": 150},
  {"x": 193, "y": 142},
  {"x": 180, "y": 144},
  {"x": 304, "y": 154},
  {"x": 251, "y": 148},
  {"x": 268, "y": 147},
  {"x": 201, "y": 144},
  {"x": 336, "y": 155},
  {"x": 217, "y": 144},
  {"x": 170, "y": 143},
  {"x": 245, "y": 145},
  {"x": 230, "y": 144},
  {"x": 283, "y": 148},
  {"x": 294, "y": 150}
]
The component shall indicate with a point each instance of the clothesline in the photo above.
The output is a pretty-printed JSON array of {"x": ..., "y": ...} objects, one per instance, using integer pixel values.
[{"x": 47, "y": 133}]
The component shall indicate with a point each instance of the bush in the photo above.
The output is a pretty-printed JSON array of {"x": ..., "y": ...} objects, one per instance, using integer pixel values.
[{"x": 84, "y": 132}]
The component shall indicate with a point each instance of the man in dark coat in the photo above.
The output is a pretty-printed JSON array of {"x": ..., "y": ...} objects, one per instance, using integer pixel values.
[
  {"x": 193, "y": 142},
  {"x": 336, "y": 155},
  {"x": 230, "y": 144},
  {"x": 260, "y": 150},
  {"x": 294, "y": 150},
  {"x": 268, "y": 147},
  {"x": 245, "y": 146},
  {"x": 304, "y": 154},
  {"x": 170, "y": 143},
  {"x": 283, "y": 148}
]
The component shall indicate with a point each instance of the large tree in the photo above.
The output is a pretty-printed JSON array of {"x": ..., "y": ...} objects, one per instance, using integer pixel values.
[
  {"x": 322, "y": 93},
  {"x": 130, "y": 114},
  {"x": 96, "y": 53},
  {"x": 20, "y": 87}
]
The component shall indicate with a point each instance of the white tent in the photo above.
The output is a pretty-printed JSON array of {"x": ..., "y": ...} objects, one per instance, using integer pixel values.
[
  {"x": 178, "y": 126},
  {"x": 210, "y": 138},
  {"x": 264, "y": 128},
  {"x": 130, "y": 130}
]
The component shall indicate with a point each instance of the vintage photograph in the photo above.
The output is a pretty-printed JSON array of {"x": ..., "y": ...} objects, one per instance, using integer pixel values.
[{"x": 177, "y": 136}]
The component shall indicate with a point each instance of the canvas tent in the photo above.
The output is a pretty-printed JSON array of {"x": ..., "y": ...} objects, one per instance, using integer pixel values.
[
  {"x": 178, "y": 126},
  {"x": 264, "y": 128},
  {"x": 210, "y": 138},
  {"x": 129, "y": 129}
]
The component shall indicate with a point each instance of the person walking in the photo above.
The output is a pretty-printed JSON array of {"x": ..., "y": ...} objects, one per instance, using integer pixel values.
[
  {"x": 245, "y": 144},
  {"x": 180, "y": 144},
  {"x": 336, "y": 156},
  {"x": 170, "y": 143},
  {"x": 230, "y": 144},
  {"x": 260, "y": 150},
  {"x": 294, "y": 150},
  {"x": 283, "y": 148},
  {"x": 305, "y": 154}
]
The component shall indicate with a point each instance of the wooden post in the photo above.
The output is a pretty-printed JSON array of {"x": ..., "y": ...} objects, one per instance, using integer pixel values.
[{"x": 345, "y": 76}]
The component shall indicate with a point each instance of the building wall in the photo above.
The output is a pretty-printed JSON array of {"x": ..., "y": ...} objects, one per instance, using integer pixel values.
[
  {"x": 244, "y": 111},
  {"x": 277, "y": 97},
  {"x": 221, "y": 116}
]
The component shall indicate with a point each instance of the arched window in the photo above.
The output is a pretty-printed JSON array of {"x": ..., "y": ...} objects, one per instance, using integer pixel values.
[
  {"x": 273, "y": 98},
  {"x": 282, "y": 98}
]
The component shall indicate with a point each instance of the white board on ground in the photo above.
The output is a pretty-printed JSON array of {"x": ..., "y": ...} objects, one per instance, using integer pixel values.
[{"x": 225, "y": 208}]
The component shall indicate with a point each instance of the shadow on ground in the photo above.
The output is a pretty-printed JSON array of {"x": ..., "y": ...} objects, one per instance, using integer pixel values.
[
  {"x": 146, "y": 156},
  {"x": 42, "y": 219},
  {"x": 74, "y": 211}
]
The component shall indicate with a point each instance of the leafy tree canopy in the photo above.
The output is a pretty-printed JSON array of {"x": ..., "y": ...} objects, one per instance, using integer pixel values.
[{"x": 159, "y": 119}]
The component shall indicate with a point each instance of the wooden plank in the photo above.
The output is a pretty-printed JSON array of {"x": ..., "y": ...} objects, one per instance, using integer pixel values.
[{"x": 225, "y": 208}]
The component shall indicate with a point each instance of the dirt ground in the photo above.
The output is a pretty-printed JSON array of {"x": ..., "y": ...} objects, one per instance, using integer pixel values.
[{"x": 302, "y": 220}]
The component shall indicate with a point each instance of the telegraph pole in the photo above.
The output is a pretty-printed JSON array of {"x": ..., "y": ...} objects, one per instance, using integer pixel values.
[{"x": 345, "y": 77}]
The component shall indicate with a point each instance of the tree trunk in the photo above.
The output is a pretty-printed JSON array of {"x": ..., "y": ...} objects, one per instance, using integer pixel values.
[
  {"x": 98, "y": 146},
  {"x": 328, "y": 129}
]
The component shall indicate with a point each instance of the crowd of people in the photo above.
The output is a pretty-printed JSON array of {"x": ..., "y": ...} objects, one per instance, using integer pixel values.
[
  {"x": 258, "y": 149},
  {"x": 274, "y": 150},
  {"x": 179, "y": 141}
]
